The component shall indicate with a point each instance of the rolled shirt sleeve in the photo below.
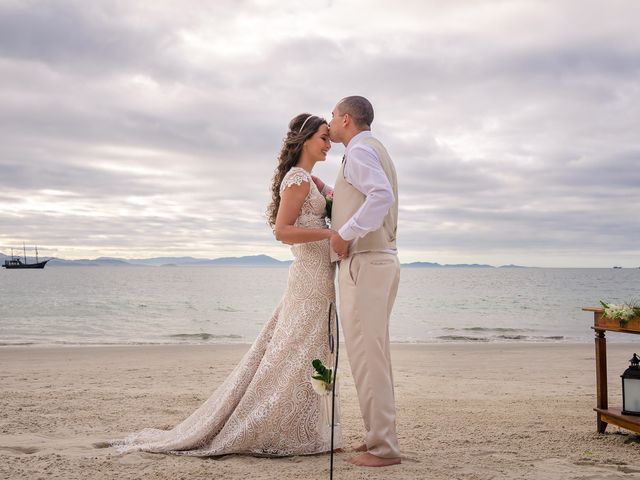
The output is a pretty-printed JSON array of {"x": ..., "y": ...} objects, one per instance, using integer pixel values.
[{"x": 364, "y": 171}]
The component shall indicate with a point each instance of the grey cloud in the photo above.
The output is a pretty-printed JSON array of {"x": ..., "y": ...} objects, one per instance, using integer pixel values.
[
  {"x": 65, "y": 34},
  {"x": 505, "y": 139}
]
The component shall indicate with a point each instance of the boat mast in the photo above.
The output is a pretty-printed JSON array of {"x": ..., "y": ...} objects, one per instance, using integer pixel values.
[
  {"x": 25, "y": 252},
  {"x": 36, "y": 254}
]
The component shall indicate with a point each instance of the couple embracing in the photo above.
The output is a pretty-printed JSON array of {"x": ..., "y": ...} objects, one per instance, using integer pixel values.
[{"x": 267, "y": 405}]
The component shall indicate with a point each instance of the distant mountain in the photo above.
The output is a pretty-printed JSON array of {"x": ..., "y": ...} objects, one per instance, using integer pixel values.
[
  {"x": 160, "y": 261},
  {"x": 246, "y": 261},
  {"x": 446, "y": 265},
  {"x": 249, "y": 261},
  {"x": 98, "y": 262},
  {"x": 422, "y": 265}
]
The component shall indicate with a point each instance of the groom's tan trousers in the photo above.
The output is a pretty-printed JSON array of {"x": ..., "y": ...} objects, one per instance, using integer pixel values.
[{"x": 368, "y": 283}]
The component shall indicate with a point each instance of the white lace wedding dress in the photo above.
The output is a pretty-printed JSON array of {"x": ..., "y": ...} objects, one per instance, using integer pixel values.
[{"x": 267, "y": 406}]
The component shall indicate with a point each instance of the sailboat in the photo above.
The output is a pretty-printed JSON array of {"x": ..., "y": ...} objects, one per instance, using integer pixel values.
[{"x": 16, "y": 263}]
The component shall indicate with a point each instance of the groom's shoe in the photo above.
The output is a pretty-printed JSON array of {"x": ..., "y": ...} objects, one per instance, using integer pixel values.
[{"x": 370, "y": 460}]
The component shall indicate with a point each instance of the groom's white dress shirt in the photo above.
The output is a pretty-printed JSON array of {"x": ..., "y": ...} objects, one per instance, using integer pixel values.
[{"x": 363, "y": 170}]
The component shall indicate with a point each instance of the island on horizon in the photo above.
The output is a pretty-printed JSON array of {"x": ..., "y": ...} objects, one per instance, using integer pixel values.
[{"x": 242, "y": 261}]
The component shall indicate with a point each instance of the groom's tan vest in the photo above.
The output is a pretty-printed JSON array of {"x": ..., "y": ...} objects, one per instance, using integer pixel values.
[{"x": 347, "y": 200}]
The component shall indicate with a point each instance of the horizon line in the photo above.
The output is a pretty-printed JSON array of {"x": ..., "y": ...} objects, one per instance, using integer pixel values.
[{"x": 204, "y": 259}]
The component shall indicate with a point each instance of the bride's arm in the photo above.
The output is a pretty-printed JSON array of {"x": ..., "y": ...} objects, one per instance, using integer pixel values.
[{"x": 291, "y": 200}]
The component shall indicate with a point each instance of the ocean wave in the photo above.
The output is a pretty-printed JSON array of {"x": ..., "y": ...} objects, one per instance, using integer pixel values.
[
  {"x": 204, "y": 336},
  {"x": 489, "y": 329},
  {"x": 226, "y": 308},
  {"x": 464, "y": 338},
  {"x": 501, "y": 338},
  {"x": 195, "y": 340}
]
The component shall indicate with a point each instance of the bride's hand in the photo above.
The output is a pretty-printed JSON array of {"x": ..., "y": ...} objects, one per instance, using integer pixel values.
[{"x": 339, "y": 245}]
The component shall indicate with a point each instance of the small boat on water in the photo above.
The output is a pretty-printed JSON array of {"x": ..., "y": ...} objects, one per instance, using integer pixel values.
[{"x": 16, "y": 263}]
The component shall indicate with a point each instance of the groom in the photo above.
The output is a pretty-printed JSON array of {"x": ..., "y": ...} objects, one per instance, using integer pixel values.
[{"x": 365, "y": 215}]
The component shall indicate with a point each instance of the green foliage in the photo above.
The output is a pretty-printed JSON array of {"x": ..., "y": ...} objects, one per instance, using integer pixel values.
[
  {"x": 322, "y": 373},
  {"x": 329, "y": 206},
  {"x": 623, "y": 313}
]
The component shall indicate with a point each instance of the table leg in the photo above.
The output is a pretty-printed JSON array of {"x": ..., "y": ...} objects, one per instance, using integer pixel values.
[{"x": 601, "y": 377}]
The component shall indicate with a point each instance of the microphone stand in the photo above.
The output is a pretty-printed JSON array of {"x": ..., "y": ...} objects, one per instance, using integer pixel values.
[{"x": 333, "y": 345}]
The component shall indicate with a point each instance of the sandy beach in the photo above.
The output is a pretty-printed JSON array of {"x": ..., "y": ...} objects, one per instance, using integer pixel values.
[{"x": 464, "y": 411}]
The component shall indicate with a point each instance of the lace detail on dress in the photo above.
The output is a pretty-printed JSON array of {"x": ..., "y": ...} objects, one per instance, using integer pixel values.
[
  {"x": 267, "y": 405},
  {"x": 295, "y": 176},
  {"x": 312, "y": 213}
]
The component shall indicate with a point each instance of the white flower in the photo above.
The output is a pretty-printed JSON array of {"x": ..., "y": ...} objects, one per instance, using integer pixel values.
[
  {"x": 320, "y": 386},
  {"x": 321, "y": 378},
  {"x": 622, "y": 313}
]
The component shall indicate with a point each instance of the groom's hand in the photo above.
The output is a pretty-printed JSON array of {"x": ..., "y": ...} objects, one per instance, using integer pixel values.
[
  {"x": 339, "y": 245},
  {"x": 319, "y": 183}
]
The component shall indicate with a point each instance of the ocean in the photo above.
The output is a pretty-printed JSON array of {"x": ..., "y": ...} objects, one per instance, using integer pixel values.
[{"x": 202, "y": 305}]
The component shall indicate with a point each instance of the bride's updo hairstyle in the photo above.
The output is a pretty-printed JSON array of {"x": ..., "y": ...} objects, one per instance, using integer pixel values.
[{"x": 301, "y": 128}]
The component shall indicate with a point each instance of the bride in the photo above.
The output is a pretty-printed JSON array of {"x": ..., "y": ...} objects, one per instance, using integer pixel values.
[{"x": 267, "y": 405}]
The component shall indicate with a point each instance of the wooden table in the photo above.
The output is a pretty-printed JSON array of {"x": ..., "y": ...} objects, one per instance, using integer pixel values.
[{"x": 606, "y": 414}]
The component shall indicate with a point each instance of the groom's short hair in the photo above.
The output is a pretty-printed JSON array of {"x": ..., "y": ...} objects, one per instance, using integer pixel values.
[{"x": 360, "y": 110}]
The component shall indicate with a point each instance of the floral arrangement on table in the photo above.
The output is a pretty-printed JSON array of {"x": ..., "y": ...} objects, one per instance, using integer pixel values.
[
  {"x": 322, "y": 378},
  {"x": 623, "y": 312}
]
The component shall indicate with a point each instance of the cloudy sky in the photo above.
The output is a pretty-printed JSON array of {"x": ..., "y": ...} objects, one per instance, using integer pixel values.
[{"x": 151, "y": 128}]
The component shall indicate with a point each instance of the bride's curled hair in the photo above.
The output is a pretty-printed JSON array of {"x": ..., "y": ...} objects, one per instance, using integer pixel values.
[{"x": 301, "y": 128}]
